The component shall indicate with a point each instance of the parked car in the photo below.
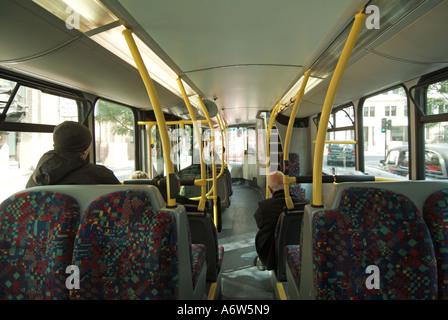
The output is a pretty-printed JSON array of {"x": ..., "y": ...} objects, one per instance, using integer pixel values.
[
  {"x": 341, "y": 154},
  {"x": 436, "y": 161}
]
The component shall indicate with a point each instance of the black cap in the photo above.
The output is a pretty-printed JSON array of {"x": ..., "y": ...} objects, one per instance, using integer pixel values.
[{"x": 70, "y": 136}]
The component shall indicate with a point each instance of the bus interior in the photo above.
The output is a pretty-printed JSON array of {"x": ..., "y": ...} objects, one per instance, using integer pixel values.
[{"x": 348, "y": 98}]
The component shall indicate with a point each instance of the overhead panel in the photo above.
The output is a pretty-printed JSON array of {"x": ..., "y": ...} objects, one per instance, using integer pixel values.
[{"x": 245, "y": 53}]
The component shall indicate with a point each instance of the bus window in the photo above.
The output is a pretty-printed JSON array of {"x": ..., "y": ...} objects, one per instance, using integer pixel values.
[
  {"x": 339, "y": 157},
  {"x": 251, "y": 142},
  {"x": 20, "y": 151},
  {"x": 385, "y": 134},
  {"x": 184, "y": 141},
  {"x": 114, "y": 138},
  {"x": 157, "y": 163},
  {"x": 237, "y": 144},
  {"x": 436, "y": 133}
]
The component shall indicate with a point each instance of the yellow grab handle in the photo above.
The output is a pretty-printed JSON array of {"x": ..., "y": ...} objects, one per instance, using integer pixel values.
[
  {"x": 157, "y": 111},
  {"x": 328, "y": 104}
]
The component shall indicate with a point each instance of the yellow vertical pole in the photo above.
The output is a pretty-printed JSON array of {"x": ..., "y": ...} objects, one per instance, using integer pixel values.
[
  {"x": 286, "y": 179},
  {"x": 221, "y": 130},
  {"x": 171, "y": 200},
  {"x": 150, "y": 151},
  {"x": 268, "y": 141},
  {"x": 328, "y": 104},
  {"x": 202, "y": 182},
  {"x": 214, "y": 188}
]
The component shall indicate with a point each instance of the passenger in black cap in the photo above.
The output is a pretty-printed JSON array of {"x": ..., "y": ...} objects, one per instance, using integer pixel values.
[{"x": 67, "y": 163}]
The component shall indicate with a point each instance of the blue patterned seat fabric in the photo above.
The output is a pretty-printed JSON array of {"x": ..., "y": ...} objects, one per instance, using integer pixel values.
[
  {"x": 294, "y": 171},
  {"x": 219, "y": 250},
  {"x": 197, "y": 261},
  {"x": 294, "y": 261},
  {"x": 37, "y": 231},
  {"x": 373, "y": 227},
  {"x": 126, "y": 250},
  {"x": 435, "y": 213}
]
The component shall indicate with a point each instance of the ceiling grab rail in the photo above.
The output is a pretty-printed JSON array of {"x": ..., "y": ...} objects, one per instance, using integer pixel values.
[
  {"x": 199, "y": 182},
  {"x": 328, "y": 104},
  {"x": 286, "y": 178},
  {"x": 171, "y": 182}
]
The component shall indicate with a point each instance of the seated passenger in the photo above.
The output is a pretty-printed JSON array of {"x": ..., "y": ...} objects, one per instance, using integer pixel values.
[
  {"x": 139, "y": 175},
  {"x": 67, "y": 163},
  {"x": 266, "y": 217}
]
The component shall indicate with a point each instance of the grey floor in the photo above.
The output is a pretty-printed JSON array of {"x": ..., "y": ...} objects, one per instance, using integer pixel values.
[{"x": 240, "y": 278}]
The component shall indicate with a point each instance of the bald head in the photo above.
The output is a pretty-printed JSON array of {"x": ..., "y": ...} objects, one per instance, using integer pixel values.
[{"x": 275, "y": 181}]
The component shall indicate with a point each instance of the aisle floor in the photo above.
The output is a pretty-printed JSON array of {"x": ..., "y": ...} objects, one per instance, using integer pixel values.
[{"x": 240, "y": 278}]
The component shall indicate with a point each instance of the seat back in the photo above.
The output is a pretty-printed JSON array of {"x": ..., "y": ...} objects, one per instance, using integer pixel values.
[
  {"x": 294, "y": 171},
  {"x": 203, "y": 231},
  {"x": 37, "y": 232},
  {"x": 435, "y": 213},
  {"x": 373, "y": 227},
  {"x": 287, "y": 232},
  {"x": 125, "y": 249}
]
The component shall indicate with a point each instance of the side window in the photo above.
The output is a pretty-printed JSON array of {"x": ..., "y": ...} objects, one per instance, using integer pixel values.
[
  {"x": 385, "y": 135},
  {"x": 20, "y": 150},
  {"x": 436, "y": 131},
  {"x": 114, "y": 138},
  {"x": 433, "y": 165},
  {"x": 340, "y": 157}
]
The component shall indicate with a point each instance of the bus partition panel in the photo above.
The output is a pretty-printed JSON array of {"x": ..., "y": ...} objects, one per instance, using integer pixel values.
[{"x": 386, "y": 207}]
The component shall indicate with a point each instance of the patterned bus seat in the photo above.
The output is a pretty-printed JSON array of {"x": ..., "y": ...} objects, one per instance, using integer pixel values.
[
  {"x": 294, "y": 171},
  {"x": 126, "y": 250},
  {"x": 435, "y": 213},
  {"x": 287, "y": 232},
  {"x": 37, "y": 232},
  {"x": 373, "y": 227},
  {"x": 203, "y": 231}
]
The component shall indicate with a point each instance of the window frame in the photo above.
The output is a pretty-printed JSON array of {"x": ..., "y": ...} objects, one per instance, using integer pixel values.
[
  {"x": 360, "y": 124},
  {"x": 418, "y": 95},
  {"x": 85, "y": 107},
  {"x": 138, "y": 161}
]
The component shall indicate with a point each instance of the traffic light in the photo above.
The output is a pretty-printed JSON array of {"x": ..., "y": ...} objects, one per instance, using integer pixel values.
[{"x": 386, "y": 124}]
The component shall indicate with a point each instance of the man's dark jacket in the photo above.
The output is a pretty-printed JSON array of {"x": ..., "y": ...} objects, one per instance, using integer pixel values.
[
  {"x": 69, "y": 168},
  {"x": 266, "y": 218}
]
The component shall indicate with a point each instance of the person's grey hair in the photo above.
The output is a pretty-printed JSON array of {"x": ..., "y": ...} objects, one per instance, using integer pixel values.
[
  {"x": 139, "y": 175},
  {"x": 275, "y": 181}
]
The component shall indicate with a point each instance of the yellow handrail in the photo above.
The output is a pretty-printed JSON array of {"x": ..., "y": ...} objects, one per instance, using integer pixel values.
[
  {"x": 328, "y": 104},
  {"x": 214, "y": 188},
  {"x": 171, "y": 201},
  {"x": 172, "y": 122},
  {"x": 338, "y": 142},
  {"x": 221, "y": 129},
  {"x": 202, "y": 181},
  {"x": 268, "y": 141},
  {"x": 286, "y": 179}
]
